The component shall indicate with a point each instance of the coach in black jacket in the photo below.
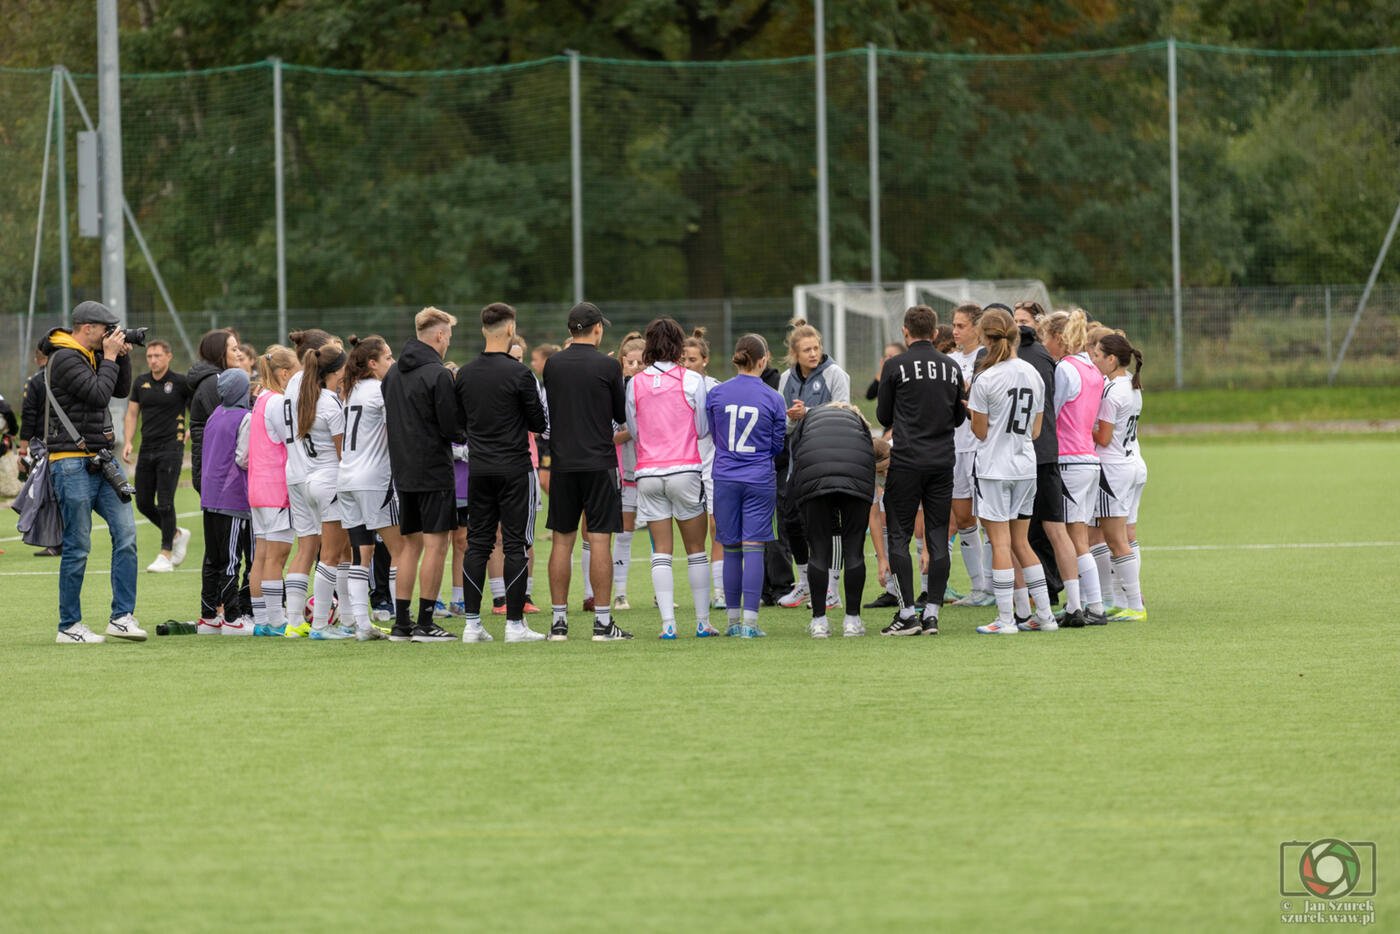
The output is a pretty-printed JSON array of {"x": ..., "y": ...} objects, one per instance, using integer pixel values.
[
  {"x": 420, "y": 413},
  {"x": 922, "y": 398}
]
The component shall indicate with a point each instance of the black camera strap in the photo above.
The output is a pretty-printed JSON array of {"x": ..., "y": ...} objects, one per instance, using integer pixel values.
[{"x": 49, "y": 400}]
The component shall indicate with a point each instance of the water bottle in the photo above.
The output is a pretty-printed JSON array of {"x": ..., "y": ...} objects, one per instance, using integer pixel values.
[{"x": 173, "y": 627}]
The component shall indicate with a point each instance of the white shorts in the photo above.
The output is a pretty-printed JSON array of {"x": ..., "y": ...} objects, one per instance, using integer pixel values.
[
  {"x": 1081, "y": 483},
  {"x": 273, "y": 523},
  {"x": 962, "y": 475},
  {"x": 1005, "y": 500},
  {"x": 305, "y": 519},
  {"x": 677, "y": 496},
  {"x": 373, "y": 509},
  {"x": 629, "y": 497},
  {"x": 709, "y": 494},
  {"x": 1120, "y": 490}
]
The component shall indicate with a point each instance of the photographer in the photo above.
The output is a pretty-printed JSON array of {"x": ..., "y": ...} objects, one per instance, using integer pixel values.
[
  {"x": 159, "y": 399},
  {"x": 87, "y": 367}
]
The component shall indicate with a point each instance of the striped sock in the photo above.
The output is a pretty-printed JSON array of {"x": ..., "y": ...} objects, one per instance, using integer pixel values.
[
  {"x": 1035, "y": 583},
  {"x": 297, "y": 585},
  {"x": 698, "y": 570},
  {"x": 359, "y": 596},
  {"x": 1003, "y": 587},
  {"x": 272, "y": 600},
  {"x": 664, "y": 584},
  {"x": 1127, "y": 568},
  {"x": 324, "y": 594},
  {"x": 1089, "y": 583}
]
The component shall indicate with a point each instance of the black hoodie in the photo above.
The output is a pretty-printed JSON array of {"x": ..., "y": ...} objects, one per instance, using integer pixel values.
[
  {"x": 1047, "y": 447},
  {"x": 420, "y": 411},
  {"x": 204, "y": 399}
]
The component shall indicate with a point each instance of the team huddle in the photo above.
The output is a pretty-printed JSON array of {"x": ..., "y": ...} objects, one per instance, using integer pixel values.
[{"x": 1013, "y": 436}]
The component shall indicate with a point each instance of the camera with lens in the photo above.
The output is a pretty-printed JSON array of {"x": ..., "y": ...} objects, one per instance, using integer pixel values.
[
  {"x": 104, "y": 463},
  {"x": 136, "y": 337}
]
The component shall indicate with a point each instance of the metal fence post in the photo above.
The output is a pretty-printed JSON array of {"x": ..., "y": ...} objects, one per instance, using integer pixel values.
[
  {"x": 278, "y": 167},
  {"x": 872, "y": 105},
  {"x": 39, "y": 220},
  {"x": 109, "y": 109},
  {"x": 1327, "y": 317},
  {"x": 1365, "y": 297},
  {"x": 823, "y": 193},
  {"x": 1178, "y": 337},
  {"x": 576, "y": 169},
  {"x": 728, "y": 311},
  {"x": 64, "y": 259}
]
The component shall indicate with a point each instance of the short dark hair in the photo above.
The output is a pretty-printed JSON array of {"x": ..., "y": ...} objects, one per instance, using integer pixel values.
[
  {"x": 921, "y": 321},
  {"x": 496, "y": 312},
  {"x": 162, "y": 344}
]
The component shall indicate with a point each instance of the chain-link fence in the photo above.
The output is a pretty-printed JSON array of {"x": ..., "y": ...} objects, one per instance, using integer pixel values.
[{"x": 698, "y": 181}]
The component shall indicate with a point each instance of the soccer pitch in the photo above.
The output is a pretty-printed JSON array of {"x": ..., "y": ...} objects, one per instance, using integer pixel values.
[{"x": 1137, "y": 776}]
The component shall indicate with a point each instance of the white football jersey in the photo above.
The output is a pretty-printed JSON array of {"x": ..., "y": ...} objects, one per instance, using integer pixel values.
[
  {"x": 277, "y": 421},
  {"x": 963, "y": 438},
  {"x": 319, "y": 443},
  {"x": 1011, "y": 394},
  {"x": 1122, "y": 406},
  {"x": 707, "y": 443},
  {"x": 296, "y": 455},
  {"x": 364, "y": 457}
]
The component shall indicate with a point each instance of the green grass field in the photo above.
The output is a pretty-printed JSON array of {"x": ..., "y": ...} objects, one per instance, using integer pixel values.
[{"x": 1140, "y": 776}]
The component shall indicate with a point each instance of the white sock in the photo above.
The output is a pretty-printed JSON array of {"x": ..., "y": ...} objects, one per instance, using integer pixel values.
[
  {"x": 1127, "y": 569},
  {"x": 259, "y": 611},
  {"x": 1089, "y": 583},
  {"x": 560, "y": 612},
  {"x": 324, "y": 592},
  {"x": 512, "y": 625},
  {"x": 1072, "y": 595},
  {"x": 457, "y": 595},
  {"x": 971, "y": 547},
  {"x": 359, "y": 596},
  {"x": 1003, "y": 587},
  {"x": 530, "y": 584},
  {"x": 586, "y": 560},
  {"x": 603, "y": 617},
  {"x": 986, "y": 551},
  {"x": 498, "y": 587},
  {"x": 1035, "y": 583},
  {"x": 735, "y": 613},
  {"x": 751, "y": 618},
  {"x": 297, "y": 585},
  {"x": 393, "y": 583},
  {"x": 622, "y": 562},
  {"x": 665, "y": 586},
  {"x": 342, "y": 581},
  {"x": 272, "y": 603},
  {"x": 1022, "y": 596},
  {"x": 1137, "y": 553},
  {"x": 1103, "y": 560},
  {"x": 931, "y": 611},
  {"x": 717, "y": 576},
  {"x": 833, "y": 576},
  {"x": 698, "y": 570},
  {"x": 802, "y": 575},
  {"x": 923, "y": 588}
]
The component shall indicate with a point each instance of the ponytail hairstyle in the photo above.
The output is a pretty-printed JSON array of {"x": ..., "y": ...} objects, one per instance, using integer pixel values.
[
  {"x": 362, "y": 351},
  {"x": 1070, "y": 328},
  {"x": 697, "y": 340},
  {"x": 633, "y": 340},
  {"x": 943, "y": 338},
  {"x": 1001, "y": 336},
  {"x": 798, "y": 331},
  {"x": 1117, "y": 346},
  {"x": 308, "y": 339},
  {"x": 316, "y": 365},
  {"x": 665, "y": 342},
  {"x": 276, "y": 359},
  {"x": 971, "y": 309},
  {"x": 749, "y": 352}
]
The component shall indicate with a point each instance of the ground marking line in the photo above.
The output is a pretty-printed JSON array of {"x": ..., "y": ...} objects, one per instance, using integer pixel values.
[{"x": 102, "y": 526}]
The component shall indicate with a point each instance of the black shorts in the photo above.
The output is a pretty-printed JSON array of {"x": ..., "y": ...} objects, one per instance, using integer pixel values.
[
  {"x": 594, "y": 494},
  {"x": 427, "y": 511},
  {"x": 1049, "y": 503}
]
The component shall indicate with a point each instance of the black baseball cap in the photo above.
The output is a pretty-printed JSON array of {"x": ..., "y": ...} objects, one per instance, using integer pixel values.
[
  {"x": 584, "y": 315},
  {"x": 94, "y": 313}
]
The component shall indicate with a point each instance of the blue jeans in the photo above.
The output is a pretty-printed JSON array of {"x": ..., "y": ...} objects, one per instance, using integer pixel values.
[{"x": 79, "y": 494}]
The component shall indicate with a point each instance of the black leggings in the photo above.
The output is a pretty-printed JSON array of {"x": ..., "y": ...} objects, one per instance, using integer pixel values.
[
  {"x": 905, "y": 491},
  {"x": 790, "y": 515},
  {"x": 836, "y": 527},
  {"x": 157, "y": 476}
]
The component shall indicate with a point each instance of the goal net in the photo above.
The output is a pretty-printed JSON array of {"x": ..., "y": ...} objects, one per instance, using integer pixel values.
[{"x": 857, "y": 319}]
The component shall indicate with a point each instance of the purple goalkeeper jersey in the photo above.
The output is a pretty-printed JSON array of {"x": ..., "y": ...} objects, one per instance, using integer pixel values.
[{"x": 748, "y": 423}]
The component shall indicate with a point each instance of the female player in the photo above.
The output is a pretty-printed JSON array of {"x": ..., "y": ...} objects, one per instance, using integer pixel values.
[
  {"x": 364, "y": 480},
  {"x": 697, "y": 359},
  {"x": 833, "y": 481},
  {"x": 629, "y": 353},
  {"x": 966, "y": 352},
  {"x": 306, "y": 524},
  {"x": 1124, "y": 472},
  {"x": 320, "y": 431},
  {"x": 223, "y": 497},
  {"x": 749, "y": 429},
  {"x": 1007, "y": 403},
  {"x": 811, "y": 379},
  {"x": 269, "y": 433},
  {"x": 666, "y": 415},
  {"x": 1078, "y": 390}
]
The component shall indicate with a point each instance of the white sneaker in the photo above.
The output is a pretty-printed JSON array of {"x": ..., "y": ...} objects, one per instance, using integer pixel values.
[
  {"x": 370, "y": 633},
  {"x": 523, "y": 634},
  {"x": 381, "y": 616},
  {"x": 78, "y": 634},
  {"x": 819, "y": 628},
  {"x": 243, "y": 626},
  {"x": 796, "y": 597},
  {"x": 832, "y": 599},
  {"x": 209, "y": 627},
  {"x": 620, "y": 602},
  {"x": 479, "y": 634},
  {"x": 853, "y": 627},
  {"x": 977, "y": 598},
  {"x": 179, "y": 546},
  {"x": 998, "y": 628},
  {"x": 161, "y": 565},
  {"x": 126, "y": 627},
  {"x": 717, "y": 602}
]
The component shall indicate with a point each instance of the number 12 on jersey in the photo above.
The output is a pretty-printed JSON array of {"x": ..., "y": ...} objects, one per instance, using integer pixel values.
[{"x": 749, "y": 415}]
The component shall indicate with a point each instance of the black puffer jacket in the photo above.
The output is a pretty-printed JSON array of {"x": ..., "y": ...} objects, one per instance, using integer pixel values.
[
  {"x": 83, "y": 383},
  {"x": 832, "y": 452},
  {"x": 1047, "y": 446},
  {"x": 204, "y": 399},
  {"x": 420, "y": 410}
]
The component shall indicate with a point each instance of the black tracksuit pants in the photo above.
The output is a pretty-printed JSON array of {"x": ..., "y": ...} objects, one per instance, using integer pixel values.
[
  {"x": 906, "y": 489},
  {"x": 157, "y": 476},
  {"x": 836, "y": 526},
  {"x": 507, "y": 503},
  {"x": 227, "y": 540}
]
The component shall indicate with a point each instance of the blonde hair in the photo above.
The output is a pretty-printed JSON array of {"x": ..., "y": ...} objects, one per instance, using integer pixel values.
[
  {"x": 1001, "y": 335},
  {"x": 276, "y": 359},
  {"x": 1070, "y": 328},
  {"x": 631, "y": 341},
  {"x": 697, "y": 340},
  {"x": 799, "y": 330},
  {"x": 430, "y": 318}
]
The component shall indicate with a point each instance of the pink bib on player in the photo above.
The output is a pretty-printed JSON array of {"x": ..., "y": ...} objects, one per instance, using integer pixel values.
[
  {"x": 267, "y": 462},
  {"x": 665, "y": 421},
  {"x": 1074, "y": 426}
]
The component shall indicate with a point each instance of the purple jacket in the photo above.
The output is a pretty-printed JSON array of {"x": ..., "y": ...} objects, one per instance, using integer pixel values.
[{"x": 225, "y": 484}]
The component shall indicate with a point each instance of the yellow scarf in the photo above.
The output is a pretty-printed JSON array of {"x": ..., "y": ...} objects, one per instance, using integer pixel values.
[{"x": 65, "y": 339}]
